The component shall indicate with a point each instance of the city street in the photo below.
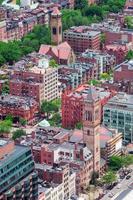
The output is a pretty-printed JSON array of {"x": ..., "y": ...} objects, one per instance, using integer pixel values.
[{"x": 116, "y": 191}]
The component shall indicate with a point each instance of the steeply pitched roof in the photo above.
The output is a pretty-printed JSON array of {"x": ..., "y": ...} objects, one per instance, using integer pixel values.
[
  {"x": 62, "y": 51},
  {"x": 92, "y": 95}
]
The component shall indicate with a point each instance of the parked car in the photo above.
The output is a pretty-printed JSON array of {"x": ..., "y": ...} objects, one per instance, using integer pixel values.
[
  {"x": 111, "y": 195},
  {"x": 128, "y": 177}
]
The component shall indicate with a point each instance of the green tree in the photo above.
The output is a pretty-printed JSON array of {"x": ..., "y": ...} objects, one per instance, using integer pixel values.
[
  {"x": 1, "y": 1},
  {"x": 129, "y": 55},
  {"x": 105, "y": 76},
  {"x": 127, "y": 160},
  {"x": 94, "y": 10},
  {"x": 109, "y": 178},
  {"x": 23, "y": 121},
  {"x": 56, "y": 120},
  {"x": 12, "y": 52},
  {"x": 81, "y": 4},
  {"x": 115, "y": 162},
  {"x": 5, "y": 87},
  {"x": 53, "y": 63},
  {"x": 94, "y": 82},
  {"x": 18, "y": 2},
  {"x": 5, "y": 126},
  {"x": 18, "y": 133},
  {"x": 9, "y": 117},
  {"x": 79, "y": 125},
  {"x": 46, "y": 108},
  {"x": 2, "y": 60},
  {"x": 129, "y": 21},
  {"x": 73, "y": 18}
]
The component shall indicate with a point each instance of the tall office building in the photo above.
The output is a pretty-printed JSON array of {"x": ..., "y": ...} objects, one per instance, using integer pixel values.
[
  {"x": 118, "y": 114},
  {"x": 18, "y": 180}
]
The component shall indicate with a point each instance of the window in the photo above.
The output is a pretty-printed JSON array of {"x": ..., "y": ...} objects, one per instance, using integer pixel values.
[
  {"x": 88, "y": 132},
  {"x": 60, "y": 30},
  {"x": 54, "y": 31}
]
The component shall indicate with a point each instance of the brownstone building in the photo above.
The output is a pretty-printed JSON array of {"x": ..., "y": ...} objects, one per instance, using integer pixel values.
[
  {"x": 18, "y": 107},
  {"x": 121, "y": 36},
  {"x": 118, "y": 50},
  {"x": 124, "y": 72}
]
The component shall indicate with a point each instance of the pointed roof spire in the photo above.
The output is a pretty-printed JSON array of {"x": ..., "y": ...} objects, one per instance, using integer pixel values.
[
  {"x": 56, "y": 11},
  {"x": 92, "y": 95}
]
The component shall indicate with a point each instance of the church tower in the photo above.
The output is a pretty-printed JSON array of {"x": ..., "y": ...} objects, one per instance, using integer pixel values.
[
  {"x": 91, "y": 125},
  {"x": 56, "y": 26}
]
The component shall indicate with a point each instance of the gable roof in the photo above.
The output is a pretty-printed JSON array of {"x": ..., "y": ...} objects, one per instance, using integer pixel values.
[{"x": 62, "y": 51}]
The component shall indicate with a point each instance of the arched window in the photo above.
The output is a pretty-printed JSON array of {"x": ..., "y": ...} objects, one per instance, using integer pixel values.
[
  {"x": 54, "y": 30},
  {"x": 88, "y": 116}
]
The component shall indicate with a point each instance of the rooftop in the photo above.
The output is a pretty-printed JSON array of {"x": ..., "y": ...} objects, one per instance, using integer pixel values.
[
  {"x": 17, "y": 101},
  {"x": 121, "y": 101},
  {"x": 85, "y": 92},
  {"x": 16, "y": 153},
  {"x": 3, "y": 142},
  {"x": 82, "y": 30}
]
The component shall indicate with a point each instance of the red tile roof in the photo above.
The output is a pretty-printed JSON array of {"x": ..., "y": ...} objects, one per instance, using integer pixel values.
[{"x": 62, "y": 51}]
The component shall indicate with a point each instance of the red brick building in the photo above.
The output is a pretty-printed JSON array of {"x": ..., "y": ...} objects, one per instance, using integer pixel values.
[
  {"x": 35, "y": 78},
  {"x": 129, "y": 4},
  {"x": 18, "y": 107},
  {"x": 16, "y": 24},
  {"x": 118, "y": 50},
  {"x": 118, "y": 37},
  {"x": 124, "y": 72},
  {"x": 73, "y": 102},
  {"x": 65, "y": 147},
  {"x": 81, "y": 38}
]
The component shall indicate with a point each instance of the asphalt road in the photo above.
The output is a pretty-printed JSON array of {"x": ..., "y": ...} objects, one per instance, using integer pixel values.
[{"x": 124, "y": 185}]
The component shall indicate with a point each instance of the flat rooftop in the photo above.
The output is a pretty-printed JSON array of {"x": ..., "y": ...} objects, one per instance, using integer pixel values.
[
  {"x": 82, "y": 30},
  {"x": 16, "y": 153},
  {"x": 3, "y": 143},
  {"x": 121, "y": 101},
  {"x": 17, "y": 101},
  {"x": 83, "y": 90}
]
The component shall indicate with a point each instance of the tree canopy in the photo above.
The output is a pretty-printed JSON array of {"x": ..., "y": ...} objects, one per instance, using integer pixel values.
[
  {"x": 129, "y": 22},
  {"x": 48, "y": 107},
  {"x": 129, "y": 55},
  {"x": 53, "y": 63},
  {"x": 5, "y": 126},
  {"x": 18, "y": 133},
  {"x": 109, "y": 178},
  {"x": 13, "y": 50},
  {"x": 73, "y": 18},
  {"x": 81, "y": 4},
  {"x": 117, "y": 162}
]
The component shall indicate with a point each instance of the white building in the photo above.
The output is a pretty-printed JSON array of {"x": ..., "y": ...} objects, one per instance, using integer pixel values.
[{"x": 104, "y": 60}]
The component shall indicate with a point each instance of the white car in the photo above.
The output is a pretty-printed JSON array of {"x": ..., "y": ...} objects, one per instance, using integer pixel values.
[{"x": 118, "y": 186}]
